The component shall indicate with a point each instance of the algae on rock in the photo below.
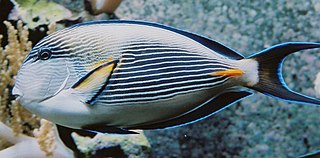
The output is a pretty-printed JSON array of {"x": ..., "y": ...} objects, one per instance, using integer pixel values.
[
  {"x": 35, "y": 13},
  {"x": 135, "y": 145}
]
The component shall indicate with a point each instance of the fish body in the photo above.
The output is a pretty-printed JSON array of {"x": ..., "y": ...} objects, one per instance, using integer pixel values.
[{"x": 112, "y": 76}]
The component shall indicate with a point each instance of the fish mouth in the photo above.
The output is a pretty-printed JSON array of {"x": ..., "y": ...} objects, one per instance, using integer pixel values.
[{"x": 17, "y": 93}]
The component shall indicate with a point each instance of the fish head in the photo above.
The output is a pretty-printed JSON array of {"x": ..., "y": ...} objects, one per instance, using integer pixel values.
[{"x": 42, "y": 75}]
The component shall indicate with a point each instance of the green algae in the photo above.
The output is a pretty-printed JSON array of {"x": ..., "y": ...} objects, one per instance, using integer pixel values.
[{"x": 39, "y": 12}]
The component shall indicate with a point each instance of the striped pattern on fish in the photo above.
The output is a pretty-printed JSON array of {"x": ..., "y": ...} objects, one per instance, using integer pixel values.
[
  {"x": 112, "y": 76},
  {"x": 161, "y": 75},
  {"x": 165, "y": 67}
]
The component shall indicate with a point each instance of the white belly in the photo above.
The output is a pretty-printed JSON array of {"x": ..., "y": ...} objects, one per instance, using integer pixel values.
[{"x": 68, "y": 111}]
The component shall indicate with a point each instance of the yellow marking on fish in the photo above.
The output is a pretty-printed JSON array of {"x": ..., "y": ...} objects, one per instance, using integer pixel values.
[
  {"x": 100, "y": 62},
  {"x": 229, "y": 72},
  {"x": 96, "y": 79}
]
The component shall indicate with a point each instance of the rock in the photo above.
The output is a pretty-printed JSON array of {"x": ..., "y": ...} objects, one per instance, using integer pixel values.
[
  {"x": 135, "y": 145},
  {"x": 317, "y": 84},
  {"x": 96, "y": 7},
  {"x": 35, "y": 13}
]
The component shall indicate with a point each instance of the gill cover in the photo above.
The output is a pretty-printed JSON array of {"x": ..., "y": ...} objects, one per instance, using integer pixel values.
[{"x": 39, "y": 80}]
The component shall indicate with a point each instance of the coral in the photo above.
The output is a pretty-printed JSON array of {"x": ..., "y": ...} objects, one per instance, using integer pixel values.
[
  {"x": 135, "y": 145},
  {"x": 45, "y": 137},
  {"x": 51, "y": 28},
  {"x": 11, "y": 57},
  {"x": 11, "y": 112},
  {"x": 26, "y": 146}
]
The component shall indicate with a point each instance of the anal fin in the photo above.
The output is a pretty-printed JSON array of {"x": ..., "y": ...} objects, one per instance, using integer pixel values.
[
  {"x": 214, "y": 106},
  {"x": 66, "y": 138},
  {"x": 102, "y": 128}
]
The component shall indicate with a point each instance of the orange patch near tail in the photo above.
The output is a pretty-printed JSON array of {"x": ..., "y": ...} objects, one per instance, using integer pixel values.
[{"x": 229, "y": 72}]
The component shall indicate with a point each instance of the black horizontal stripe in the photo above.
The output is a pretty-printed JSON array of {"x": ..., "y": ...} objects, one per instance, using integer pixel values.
[
  {"x": 160, "y": 60},
  {"x": 162, "y": 53},
  {"x": 142, "y": 42},
  {"x": 139, "y": 46},
  {"x": 157, "y": 85},
  {"x": 186, "y": 68},
  {"x": 182, "y": 70},
  {"x": 156, "y": 53},
  {"x": 130, "y": 68},
  {"x": 109, "y": 99},
  {"x": 121, "y": 79},
  {"x": 61, "y": 56},
  {"x": 56, "y": 52},
  {"x": 169, "y": 67}
]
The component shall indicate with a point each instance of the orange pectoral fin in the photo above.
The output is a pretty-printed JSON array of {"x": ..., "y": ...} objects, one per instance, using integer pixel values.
[{"x": 229, "y": 72}]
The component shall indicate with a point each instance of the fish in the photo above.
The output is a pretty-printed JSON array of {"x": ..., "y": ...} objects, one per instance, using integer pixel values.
[{"x": 121, "y": 75}]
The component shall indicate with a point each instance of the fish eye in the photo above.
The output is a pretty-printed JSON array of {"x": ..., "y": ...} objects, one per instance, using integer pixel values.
[{"x": 44, "y": 54}]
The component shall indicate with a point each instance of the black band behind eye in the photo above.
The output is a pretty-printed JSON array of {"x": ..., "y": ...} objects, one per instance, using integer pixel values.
[{"x": 44, "y": 54}]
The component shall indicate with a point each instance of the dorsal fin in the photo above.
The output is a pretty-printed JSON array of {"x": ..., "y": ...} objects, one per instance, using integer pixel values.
[
  {"x": 211, "y": 44},
  {"x": 93, "y": 83}
]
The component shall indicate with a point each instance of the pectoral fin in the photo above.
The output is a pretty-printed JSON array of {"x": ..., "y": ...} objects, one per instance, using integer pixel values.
[{"x": 92, "y": 84}]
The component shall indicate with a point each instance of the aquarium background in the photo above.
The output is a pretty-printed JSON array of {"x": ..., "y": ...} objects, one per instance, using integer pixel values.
[{"x": 259, "y": 126}]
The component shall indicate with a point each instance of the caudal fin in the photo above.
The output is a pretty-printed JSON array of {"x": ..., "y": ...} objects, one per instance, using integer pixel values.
[{"x": 269, "y": 70}]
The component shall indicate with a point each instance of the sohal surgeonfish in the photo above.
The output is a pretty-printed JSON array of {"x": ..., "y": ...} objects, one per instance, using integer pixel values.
[{"x": 114, "y": 76}]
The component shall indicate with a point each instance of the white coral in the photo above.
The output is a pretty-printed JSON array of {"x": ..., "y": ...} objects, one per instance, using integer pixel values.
[{"x": 28, "y": 147}]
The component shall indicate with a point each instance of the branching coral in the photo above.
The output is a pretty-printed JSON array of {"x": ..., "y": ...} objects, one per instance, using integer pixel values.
[
  {"x": 12, "y": 114},
  {"x": 51, "y": 27},
  {"x": 48, "y": 140},
  {"x": 11, "y": 57},
  {"x": 26, "y": 146},
  {"x": 45, "y": 137}
]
